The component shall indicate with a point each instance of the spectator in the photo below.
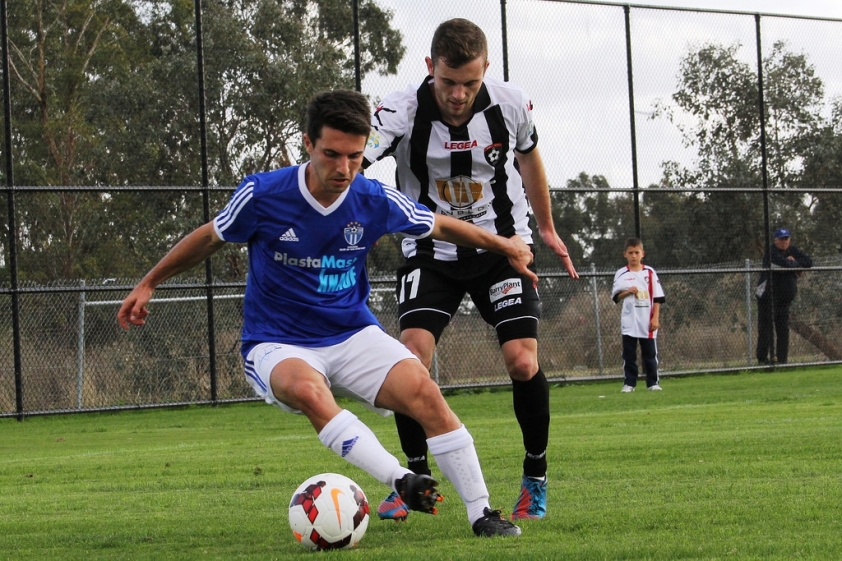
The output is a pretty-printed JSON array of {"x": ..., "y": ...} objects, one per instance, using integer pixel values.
[
  {"x": 638, "y": 287},
  {"x": 775, "y": 296}
]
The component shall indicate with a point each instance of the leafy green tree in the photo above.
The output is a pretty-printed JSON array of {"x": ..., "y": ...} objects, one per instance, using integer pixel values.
[
  {"x": 716, "y": 108},
  {"x": 592, "y": 221},
  {"x": 105, "y": 94},
  {"x": 258, "y": 86},
  {"x": 58, "y": 52},
  {"x": 823, "y": 169}
]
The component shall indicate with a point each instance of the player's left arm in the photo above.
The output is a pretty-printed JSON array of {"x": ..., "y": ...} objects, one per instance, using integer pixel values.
[
  {"x": 655, "y": 319},
  {"x": 457, "y": 232},
  {"x": 658, "y": 298},
  {"x": 802, "y": 259},
  {"x": 538, "y": 192}
]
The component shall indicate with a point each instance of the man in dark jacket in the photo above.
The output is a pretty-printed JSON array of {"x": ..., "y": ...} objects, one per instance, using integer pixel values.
[{"x": 775, "y": 295}]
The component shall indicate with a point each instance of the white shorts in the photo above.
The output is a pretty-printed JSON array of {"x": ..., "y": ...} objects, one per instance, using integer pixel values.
[{"x": 355, "y": 368}]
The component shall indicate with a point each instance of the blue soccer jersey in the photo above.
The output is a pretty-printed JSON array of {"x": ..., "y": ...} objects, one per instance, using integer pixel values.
[{"x": 307, "y": 283}]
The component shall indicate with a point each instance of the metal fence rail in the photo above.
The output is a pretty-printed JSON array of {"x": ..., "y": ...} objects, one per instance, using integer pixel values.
[{"x": 93, "y": 365}]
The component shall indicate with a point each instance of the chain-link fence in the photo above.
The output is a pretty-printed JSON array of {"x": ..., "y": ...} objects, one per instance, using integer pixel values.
[
  {"x": 699, "y": 131},
  {"x": 76, "y": 358}
]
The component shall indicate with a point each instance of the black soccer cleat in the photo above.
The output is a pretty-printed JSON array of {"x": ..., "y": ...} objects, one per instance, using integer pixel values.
[
  {"x": 493, "y": 524},
  {"x": 419, "y": 492}
]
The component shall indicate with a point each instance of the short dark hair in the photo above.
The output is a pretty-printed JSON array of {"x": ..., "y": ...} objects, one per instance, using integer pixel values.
[
  {"x": 457, "y": 42},
  {"x": 632, "y": 242},
  {"x": 344, "y": 110}
]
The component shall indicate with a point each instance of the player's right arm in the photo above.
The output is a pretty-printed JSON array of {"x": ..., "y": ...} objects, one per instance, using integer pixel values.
[
  {"x": 194, "y": 248},
  {"x": 619, "y": 291},
  {"x": 389, "y": 125}
]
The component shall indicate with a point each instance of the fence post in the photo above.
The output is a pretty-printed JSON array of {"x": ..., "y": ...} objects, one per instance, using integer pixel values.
[
  {"x": 80, "y": 346},
  {"x": 13, "y": 221},
  {"x": 748, "y": 312},
  {"x": 632, "y": 125},
  {"x": 504, "y": 35},
  {"x": 596, "y": 316}
]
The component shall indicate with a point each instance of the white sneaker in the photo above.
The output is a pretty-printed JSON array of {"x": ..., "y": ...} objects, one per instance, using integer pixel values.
[
  {"x": 655, "y": 388},
  {"x": 627, "y": 389}
]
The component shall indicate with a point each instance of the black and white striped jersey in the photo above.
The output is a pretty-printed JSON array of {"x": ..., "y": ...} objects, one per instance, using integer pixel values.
[{"x": 467, "y": 172}]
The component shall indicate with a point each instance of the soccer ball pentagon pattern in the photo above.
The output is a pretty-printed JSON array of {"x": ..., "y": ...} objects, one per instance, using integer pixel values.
[{"x": 328, "y": 511}]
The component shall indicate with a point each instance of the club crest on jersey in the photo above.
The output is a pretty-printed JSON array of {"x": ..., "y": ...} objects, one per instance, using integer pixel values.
[
  {"x": 460, "y": 191},
  {"x": 493, "y": 153},
  {"x": 373, "y": 139},
  {"x": 353, "y": 233}
]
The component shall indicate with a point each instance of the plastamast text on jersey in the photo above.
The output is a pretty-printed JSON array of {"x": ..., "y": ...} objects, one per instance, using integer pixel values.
[{"x": 324, "y": 262}]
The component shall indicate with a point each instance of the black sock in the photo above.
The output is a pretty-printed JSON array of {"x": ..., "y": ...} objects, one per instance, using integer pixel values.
[
  {"x": 532, "y": 410},
  {"x": 413, "y": 443}
]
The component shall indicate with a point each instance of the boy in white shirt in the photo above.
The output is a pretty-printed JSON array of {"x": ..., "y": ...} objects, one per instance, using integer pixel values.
[{"x": 638, "y": 288}]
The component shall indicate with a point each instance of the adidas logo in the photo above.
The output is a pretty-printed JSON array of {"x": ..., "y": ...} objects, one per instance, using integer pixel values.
[
  {"x": 289, "y": 236},
  {"x": 348, "y": 445}
]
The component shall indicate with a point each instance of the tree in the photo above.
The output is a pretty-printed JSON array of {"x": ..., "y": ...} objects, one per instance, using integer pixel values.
[
  {"x": 593, "y": 221},
  {"x": 823, "y": 168},
  {"x": 259, "y": 85},
  {"x": 719, "y": 94},
  {"x": 105, "y": 94},
  {"x": 58, "y": 52}
]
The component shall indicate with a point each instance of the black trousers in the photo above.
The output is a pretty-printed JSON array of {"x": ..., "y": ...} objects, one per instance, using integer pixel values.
[
  {"x": 772, "y": 321},
  {"x": 649, "y": 356}
]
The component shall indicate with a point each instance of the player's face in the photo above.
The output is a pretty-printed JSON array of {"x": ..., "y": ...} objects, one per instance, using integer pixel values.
[
  {"x": 455, "y": 89},
  {"x": 634, "y": 255},
  {"x": 335, "y": 159},
  {"x": 781, "y": 243}
]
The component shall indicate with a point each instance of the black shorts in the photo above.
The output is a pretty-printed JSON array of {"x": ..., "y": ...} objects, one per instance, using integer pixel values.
[{"x": 429, "y": 293}]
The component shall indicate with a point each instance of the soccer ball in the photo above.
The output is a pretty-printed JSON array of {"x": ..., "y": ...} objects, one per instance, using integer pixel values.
[{"x": 328, "y": 511}]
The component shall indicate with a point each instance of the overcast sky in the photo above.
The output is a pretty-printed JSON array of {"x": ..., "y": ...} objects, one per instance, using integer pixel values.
[
  {"x": 813, "y": 8},
  {"x": 571, "y": 59}
]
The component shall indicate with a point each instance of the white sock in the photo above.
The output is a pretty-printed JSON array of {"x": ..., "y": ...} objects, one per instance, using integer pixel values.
[
  {"x": 352, "y": 440},
  {"x": 457, "y": 459}
]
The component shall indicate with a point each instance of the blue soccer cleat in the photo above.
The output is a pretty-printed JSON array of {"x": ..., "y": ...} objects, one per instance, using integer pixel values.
[
  {"x": 393, "y": 508},
  {"x": 532, "y": 503}
]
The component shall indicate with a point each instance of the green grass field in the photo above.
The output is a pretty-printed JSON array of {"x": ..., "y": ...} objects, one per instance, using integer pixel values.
[{"x": 744, "y": 466}]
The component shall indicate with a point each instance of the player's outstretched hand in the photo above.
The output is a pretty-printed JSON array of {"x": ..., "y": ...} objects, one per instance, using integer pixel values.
[
  {"x": 521, "y": 257},
  {"x": 133, "y": 311},
  {"x": 552, "y": 240}
]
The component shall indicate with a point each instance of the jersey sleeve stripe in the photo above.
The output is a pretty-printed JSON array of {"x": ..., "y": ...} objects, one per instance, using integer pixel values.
[
  {"x": 410, "y": 209},
  {"x": 229, "y": 213}
]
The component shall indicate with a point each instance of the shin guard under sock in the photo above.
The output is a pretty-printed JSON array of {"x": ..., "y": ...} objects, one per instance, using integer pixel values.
[
  {"x": 532, "y": 409},
  {"x": 352, "y": 440},
  {"x": 457, "y": 459},
  {"x": 413, "y": 443}
]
